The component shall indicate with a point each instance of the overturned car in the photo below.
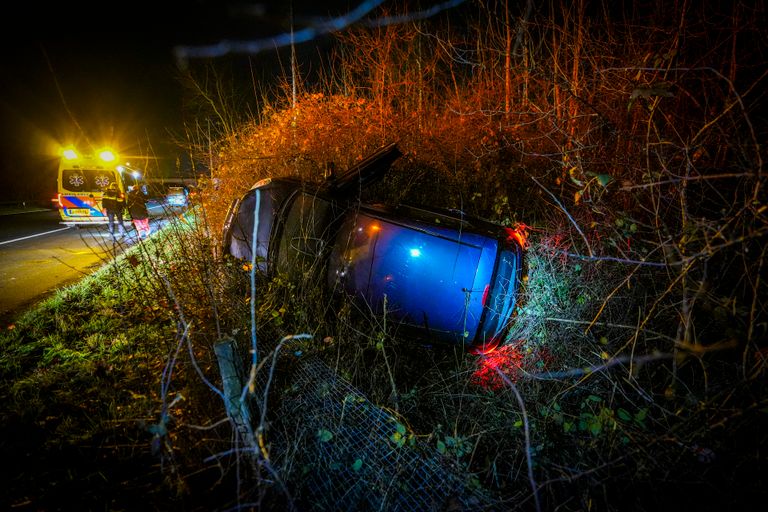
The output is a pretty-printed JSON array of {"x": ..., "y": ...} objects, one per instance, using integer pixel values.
[{"x": 443, "y": 276}]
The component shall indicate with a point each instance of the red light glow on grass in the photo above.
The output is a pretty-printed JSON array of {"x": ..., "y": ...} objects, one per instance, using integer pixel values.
[{"x": 511, "y": 361}]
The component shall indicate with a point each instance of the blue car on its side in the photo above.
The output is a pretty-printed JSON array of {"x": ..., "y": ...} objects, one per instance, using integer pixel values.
[{"x": 441, "y": 275}]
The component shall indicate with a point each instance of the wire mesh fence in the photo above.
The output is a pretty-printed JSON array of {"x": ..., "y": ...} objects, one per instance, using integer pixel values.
[{"x": 336, "y": 450}]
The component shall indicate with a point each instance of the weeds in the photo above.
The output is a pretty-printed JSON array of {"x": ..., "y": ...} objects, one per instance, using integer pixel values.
[{"x": 633, "y": 375}]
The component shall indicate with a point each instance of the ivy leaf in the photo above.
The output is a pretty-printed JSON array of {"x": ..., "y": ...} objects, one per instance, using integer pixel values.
[
  {"x": 357, "y": 465},
  {"x": 324, "y": 435},
  {"x": 604, "y": 179}
]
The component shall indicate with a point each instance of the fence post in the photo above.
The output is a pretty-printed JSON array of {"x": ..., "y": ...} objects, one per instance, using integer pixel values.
[{"x": 232, "y": 380}]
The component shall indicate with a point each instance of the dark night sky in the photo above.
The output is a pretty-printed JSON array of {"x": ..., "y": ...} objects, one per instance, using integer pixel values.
[{"x": 71, "y": 72}]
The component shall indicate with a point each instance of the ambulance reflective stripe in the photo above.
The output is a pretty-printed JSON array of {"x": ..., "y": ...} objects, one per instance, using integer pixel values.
[{"x": 74, "y": 205}]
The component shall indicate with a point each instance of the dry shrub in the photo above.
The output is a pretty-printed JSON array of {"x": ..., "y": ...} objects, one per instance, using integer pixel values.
[{"x": 635, "y": 160}]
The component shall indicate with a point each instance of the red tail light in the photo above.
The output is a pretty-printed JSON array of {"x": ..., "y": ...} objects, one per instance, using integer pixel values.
[{"x": 518, "y": 234}]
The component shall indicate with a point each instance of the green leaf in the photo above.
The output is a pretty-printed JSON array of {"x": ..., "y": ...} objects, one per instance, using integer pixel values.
[
  {"x": 594, "y": 398},
  {"x": 624, "y": 414},
  {"x": 518, "y": 424},
  {"x": 641, "y": 414},
  {"x": 324, "y": 435},
  {"x": 604, "y": 179},
  {"x": 441, "y": 447},
  {"x": 595, "y": 427},
  {"x": 357, "y": 465},
  {"x": 400, "y": 428}
]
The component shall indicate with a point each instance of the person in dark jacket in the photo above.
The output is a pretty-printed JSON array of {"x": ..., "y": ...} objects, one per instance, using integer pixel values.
[
  {"x": 137, "y": 207},
  {"x": 113, "y": 203}
]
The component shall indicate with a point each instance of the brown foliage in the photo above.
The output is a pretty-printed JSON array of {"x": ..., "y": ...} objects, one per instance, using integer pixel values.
[{"x": 633, "y": 140}]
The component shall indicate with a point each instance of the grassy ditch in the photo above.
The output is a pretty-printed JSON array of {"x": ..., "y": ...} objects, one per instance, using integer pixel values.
[
  {"x": 110, "y": 401},
  {"x": 89, "y": 376}
]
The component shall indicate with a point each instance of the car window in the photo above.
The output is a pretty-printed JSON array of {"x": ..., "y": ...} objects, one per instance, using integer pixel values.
[
  {"x": 306, "y": 233},
  {"x": 86, "y": 180}
]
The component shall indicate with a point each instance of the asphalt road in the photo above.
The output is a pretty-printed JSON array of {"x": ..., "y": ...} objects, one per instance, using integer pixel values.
[{"x": 38, "y": 255}]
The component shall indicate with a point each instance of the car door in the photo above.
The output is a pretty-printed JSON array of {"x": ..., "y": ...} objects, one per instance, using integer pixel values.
[{"x": 363, "y": 174}]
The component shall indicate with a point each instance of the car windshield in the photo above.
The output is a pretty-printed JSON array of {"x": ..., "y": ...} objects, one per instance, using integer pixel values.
[
  {"x": 501, "y": 303},
  {"x": 305, "y": 234}
]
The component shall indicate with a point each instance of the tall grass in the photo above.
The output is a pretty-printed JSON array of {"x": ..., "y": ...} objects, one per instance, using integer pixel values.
[{"x": 634, "y": 373}]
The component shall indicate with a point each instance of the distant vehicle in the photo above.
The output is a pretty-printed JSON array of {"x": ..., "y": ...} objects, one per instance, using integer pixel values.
[
  {"x": 82, "y": 180},
  {"x": 443, "y": 276},
  {"x": 176, "y": 196}
]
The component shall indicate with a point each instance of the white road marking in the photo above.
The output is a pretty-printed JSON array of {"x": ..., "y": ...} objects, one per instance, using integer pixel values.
[{"x": 33, "y": 236}]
